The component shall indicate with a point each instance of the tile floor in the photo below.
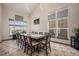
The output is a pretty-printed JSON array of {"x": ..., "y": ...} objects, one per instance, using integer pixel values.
[{"x": 10, "y": 48}]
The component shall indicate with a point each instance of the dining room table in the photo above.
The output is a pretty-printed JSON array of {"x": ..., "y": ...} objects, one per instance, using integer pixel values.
[{"x": 36, "y": 37}]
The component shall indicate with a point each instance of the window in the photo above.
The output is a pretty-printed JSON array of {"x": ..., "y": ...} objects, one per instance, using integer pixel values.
[
  {"x": 17, "y": 25},
  {"x": 36, "y": 21},
  {"x": 62, "y": 34},
  {"x": 62, "y": 23},
  {"x": 52, "y": 24},
  {"x": 51, "y": 16},
  {"x": 11, "y": 29},
  {"x": 52, "y": 32},
  {"x": 63, "y": 13},
  {"x": 11, "y": 26},
  {"x": 58, "y": 23}
]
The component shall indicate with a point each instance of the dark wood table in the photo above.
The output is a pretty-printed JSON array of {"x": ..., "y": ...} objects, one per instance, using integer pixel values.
[{"x": 37, "y": 38}]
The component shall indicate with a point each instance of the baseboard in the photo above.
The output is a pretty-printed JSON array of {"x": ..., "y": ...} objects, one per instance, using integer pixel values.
[
  {"x": 60, "y": 43},
  {"x": 5, "y": 40}
]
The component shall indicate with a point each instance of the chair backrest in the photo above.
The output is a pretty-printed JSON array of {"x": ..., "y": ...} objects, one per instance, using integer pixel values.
[
  {"x": 25, "y": 38},
  {"x": 46, "y": 33},
  {"x": 29, "y": 40},
  {"x": 41, "y": 33},
  {"x": 21, "y": 36},
  {"x": 18, "y": 35},
  {"x": 36, "y": 32},
  {"x": 47, "y": 37},
  {"x": 32, "y": 32}
]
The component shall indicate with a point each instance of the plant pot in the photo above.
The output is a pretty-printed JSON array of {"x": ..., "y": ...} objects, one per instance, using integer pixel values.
[{"x": 77, "y": 35}]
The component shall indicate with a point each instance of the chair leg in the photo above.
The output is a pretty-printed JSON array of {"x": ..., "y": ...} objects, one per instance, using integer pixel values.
[
  {"x": 38, "y": 48},
  {"x": 46, "y": 51},
  {"x": 49, "y": 47},
  {"x": 22, "y": 44},
  {"x": 31, "y": 52},
  {"x": 25, "y": 48}
]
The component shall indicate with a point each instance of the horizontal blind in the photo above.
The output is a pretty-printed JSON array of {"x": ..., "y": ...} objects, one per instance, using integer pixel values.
[
  {"x": 63, "y": 13},
  {"x": 51, "y": 16}
]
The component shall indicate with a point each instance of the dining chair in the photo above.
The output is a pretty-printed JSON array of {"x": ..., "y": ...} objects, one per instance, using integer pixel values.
[
  {"x": 32, "y": 45},
  {"x": 25, "y": 43},
  {"x": 21, "y": 41},
  {"x": 32, "y": 32},
  {"x": 46, "y": 33},
  {"x": 36, "y": 32},
  {"x": 18, "y": 39},
  {"x": 41, "y": 33},
  {"x": 45, "y": 44}
]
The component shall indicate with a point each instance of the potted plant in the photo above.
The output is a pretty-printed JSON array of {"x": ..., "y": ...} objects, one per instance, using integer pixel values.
[{"x": 76, "y": 31}]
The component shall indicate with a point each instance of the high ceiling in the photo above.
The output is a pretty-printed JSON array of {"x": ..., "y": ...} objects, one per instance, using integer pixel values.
[{"x": 26, "y": 8}]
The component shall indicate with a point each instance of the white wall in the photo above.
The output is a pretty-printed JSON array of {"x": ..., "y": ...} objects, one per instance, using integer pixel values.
[
  {"x": 42, "y": 13},
  {"x": 0, "y": 20},
  {"x": 6, "y": 14},
  {"x": 73, "y": 17}
]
